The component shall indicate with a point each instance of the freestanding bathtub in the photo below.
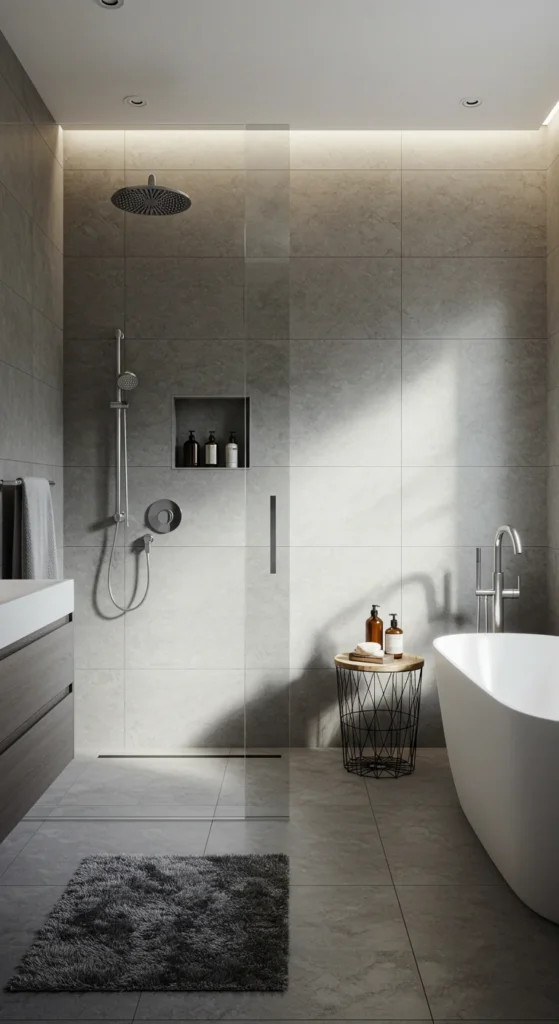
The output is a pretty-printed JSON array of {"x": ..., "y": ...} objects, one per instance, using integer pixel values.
[{"x": 499, "y": 697}]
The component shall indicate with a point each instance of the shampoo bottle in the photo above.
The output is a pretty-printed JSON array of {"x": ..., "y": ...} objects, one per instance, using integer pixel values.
[
  {"x": 373, "y": 627},
  {"x": 210, "y": 450},
  {"x": 232, "y": 452},
  {"x": 394, "y": 638},
  {"x": 191, "y": 450}
]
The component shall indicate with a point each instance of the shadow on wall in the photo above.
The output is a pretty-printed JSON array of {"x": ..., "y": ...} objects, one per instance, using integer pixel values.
[{"x": 295, "y": 714}]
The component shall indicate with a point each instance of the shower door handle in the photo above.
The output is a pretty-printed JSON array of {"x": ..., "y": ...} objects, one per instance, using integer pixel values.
[{"x": 273, "y": 535}]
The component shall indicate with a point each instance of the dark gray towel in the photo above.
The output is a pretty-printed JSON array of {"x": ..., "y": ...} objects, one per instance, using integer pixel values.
[
  {"x": 39, "y": 555},
  {"x": 11, "y": 531}
]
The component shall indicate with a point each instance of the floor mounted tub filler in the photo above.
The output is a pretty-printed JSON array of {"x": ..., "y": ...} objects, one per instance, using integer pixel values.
[{"x": 499, "y": 697}]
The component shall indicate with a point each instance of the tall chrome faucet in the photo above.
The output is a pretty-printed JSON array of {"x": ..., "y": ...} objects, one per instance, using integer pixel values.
[{"x": 498, "y": 593}]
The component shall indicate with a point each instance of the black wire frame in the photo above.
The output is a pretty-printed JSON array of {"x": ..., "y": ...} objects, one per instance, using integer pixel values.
[{"x": 379, "y": 718}]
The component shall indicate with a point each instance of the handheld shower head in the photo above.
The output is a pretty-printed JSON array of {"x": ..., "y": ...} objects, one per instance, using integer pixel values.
[{"x": 127, "y": 381}]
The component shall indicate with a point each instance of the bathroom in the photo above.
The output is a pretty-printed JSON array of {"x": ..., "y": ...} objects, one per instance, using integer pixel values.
[{"x": 365, "y": 291}]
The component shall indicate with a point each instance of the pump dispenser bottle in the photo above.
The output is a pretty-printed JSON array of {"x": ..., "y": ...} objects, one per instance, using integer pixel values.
[
  {"x": 210, "y": 450},
  {"x": 394, "y": 638},
  {"x": 191, "y": 451},
  {"x": 373, "y": 627}
]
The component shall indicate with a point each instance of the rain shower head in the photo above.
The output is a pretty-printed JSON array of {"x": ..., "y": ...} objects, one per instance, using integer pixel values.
[
  {"x": 151, "y": 200},
  {"x": 127, "y": 381}
]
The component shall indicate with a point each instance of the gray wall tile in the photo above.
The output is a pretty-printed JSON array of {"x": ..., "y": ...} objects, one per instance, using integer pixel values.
[
  {"x": 47, "y": 191},
  {"x": 267, "y": 386},
  {"x": 341, "y": 299},
  {"x": 473, "y": 213},
  {"x": 553, "y": 506},
  {"x": 266, "y": 214},
  {"x": 93, "y": 150},
  {"x": 184, "y": 298},
  {"x": 16, "y": 330},
  {"x": 175, "y": 710},
  {"x": 473, "y": 403},
  {"x": 16, "y": 159},
  {"x": 89, "y": 384},
  {"x": 345, "y": 507},
  {"x": 552, "y": 184},
  {"x": 47, "y": 277},
  {"x": 93, "y": 297},
  {"x": 16, "y": 251},
  {"x": 214, "y": 225},
  {"x": 12, "y": 110},
  {"x": 267, "y": 596},
  {"x": 474, "y": 150},
  {"x": 473, "y": 298},
  {"x": 47, "y": 424},
  {"x": 450, "y": 505},
  {"x": 553, "y": 292},
  {"x": 98, "y": 625},
  {"x": 553, "y": 361},
  {"x": 553, "y": 427},
  {"x": 99, "y": 711},
  {"x": 196, "y": 149},
  {"x": 350, "y": 213},
  {"x": 16, "y": 414},
  {"x": 89, "y": 506},
  {"x": 345, "y": 403},
  {"x": 341, "y": 150},
  {"x": 47, "y": 351},
  {"x": 267, "y": 299},
  {"x": 92, "y": 225}
]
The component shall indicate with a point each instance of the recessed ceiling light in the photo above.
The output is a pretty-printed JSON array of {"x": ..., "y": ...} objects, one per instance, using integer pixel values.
[
  {"x": 110, "y": 5},
  {"x": 135, "y": 101},
  {"x": 471, "y": 101}
]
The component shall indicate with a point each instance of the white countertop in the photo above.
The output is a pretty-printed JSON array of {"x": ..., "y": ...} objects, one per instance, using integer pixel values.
[{"x": 29, "y": 605}]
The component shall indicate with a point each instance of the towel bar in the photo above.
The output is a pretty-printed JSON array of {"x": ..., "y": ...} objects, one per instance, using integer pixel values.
[{"x": 19, "y": 481}]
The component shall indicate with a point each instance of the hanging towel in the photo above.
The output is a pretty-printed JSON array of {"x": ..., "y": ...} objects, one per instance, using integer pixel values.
[
  {"x": 39, "y": 556},
  {"x": 11, "y": 531}
]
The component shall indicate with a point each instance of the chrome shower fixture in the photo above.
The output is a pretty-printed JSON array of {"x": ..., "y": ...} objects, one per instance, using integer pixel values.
[
  {"x": 127, "y": 381},
  {"x": 151, "y": 200}
]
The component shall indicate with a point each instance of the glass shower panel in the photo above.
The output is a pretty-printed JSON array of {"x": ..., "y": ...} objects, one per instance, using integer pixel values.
[{"x": 267, "y": 676}]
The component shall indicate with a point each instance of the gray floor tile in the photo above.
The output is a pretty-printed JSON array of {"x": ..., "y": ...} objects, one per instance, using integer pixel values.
[
  {"x": 54, "y": 853},
  {"x": 432, "y": 845},
  {"x": 318, "y": 777},
  {"x": 430, "y": 783},
  {"x": 482, "y": 953},
  {"x": 23, "y": 909},
  {"x": 56, "y": 1006},
  {"x": 15, "y": 842},
  {"x": 350, "y": 959},
  {"x": 326, "y": 847}
]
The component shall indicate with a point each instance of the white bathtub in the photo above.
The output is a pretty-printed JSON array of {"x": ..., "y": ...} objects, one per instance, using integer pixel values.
[{"x": 499, "y": 697}]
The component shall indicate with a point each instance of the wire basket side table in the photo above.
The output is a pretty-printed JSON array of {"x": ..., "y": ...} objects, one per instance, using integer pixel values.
[{"x": 379, "y": 714}]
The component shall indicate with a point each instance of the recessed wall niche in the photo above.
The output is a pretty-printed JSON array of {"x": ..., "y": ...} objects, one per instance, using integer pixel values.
[{"x": 222, "y": 415}]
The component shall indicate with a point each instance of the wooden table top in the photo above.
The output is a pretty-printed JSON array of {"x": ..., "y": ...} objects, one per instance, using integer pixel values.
[{"x": 406, "y": 663}]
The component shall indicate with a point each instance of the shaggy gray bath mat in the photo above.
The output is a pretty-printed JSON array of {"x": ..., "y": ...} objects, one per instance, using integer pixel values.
[{"x": 181, "y": 924}]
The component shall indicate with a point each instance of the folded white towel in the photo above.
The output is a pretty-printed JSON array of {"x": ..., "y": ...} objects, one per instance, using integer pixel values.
[{"x": 369, "y": 647}]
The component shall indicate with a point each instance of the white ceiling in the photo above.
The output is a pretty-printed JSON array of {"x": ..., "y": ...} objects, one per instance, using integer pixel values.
[{"x": 306, "y": 63}]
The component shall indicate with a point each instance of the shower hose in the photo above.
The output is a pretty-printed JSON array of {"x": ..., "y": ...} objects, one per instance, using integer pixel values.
[{"x": 124, "y": 518}]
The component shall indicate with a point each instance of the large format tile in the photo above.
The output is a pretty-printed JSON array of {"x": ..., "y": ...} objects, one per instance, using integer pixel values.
[
  {"x": 433, "y": 845},
  {"x": 99, "y": 710},
  {"x": 267, "y": 387},
  {"x": 482, "y": 953},
  {"x": 552, "y": 184},
  {"x": 345, "y": 404},
  {"x": 93, "y": 149},
  {"x": 345, "y": 507},
  {"x": 15, "y": 842},
  {"x": 185, "y": 585},
  {"x": 47, "y": 277},
  {"x": 144, "y": 781},
  {"x": 184, "y": 297},
  {"x": 89, "y": 388},
  {"x": 473, "y": 213},
  {"x": 214, "y": 225},
  {"x": 23, "y": 909},
  {"x": 16, "y": 154},
  {"x": 50, "y": 859},
  {"x": 48, "y": 191},
  {"x": 315, "y": 718},
  {"x": 175, "y": 709},
  {"x": 89, "y": 506},
  {"x": 16, "y": 425},
  {"x": 268, "y": 707},
  {"x": 92, "y": 225},
  {"x": 343, "y": 299},
  {"x": 186, "y": 149},
  {"x": 16, "y": 253},
  {"x": 98, "y": 625},
  {"x": 12, "y": 110},
  {"x": 450, "y": 505},
  {"x": 466, "y": 297},
  {"x": 331, "y": 594},
  {"x": 553, "y": 292},
  {"x": 474, "y": 150},
  {"x": 267, "y": 600},
  {"x": 430, "y": 785},
  {"x": 93, "y": 297},
  {"x": 325, "y": 846},
  {"x": 345, "y": 150},
  {"x": 349, "y": 213},
  {"x": 266, "y": 213},
  {"x": 16, "y": 329},
  {"x": 47, "y": 351},
  {"x": 476, "y": 404},
  {"x": 349, "y": 960},
  {"x": 267, "y": 298},
  {"x": 47, "y": 424}
]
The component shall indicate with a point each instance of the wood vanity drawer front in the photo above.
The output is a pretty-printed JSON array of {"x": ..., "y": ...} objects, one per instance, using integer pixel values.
[
  {"x": 32, "y": 676},
  {"x": 35, "y": 760}
]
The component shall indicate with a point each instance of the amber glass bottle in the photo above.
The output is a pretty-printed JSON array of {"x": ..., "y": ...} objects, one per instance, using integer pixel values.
[
  {"x": 394, "y": 638},
  {"x": 373, "y": 627}
]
